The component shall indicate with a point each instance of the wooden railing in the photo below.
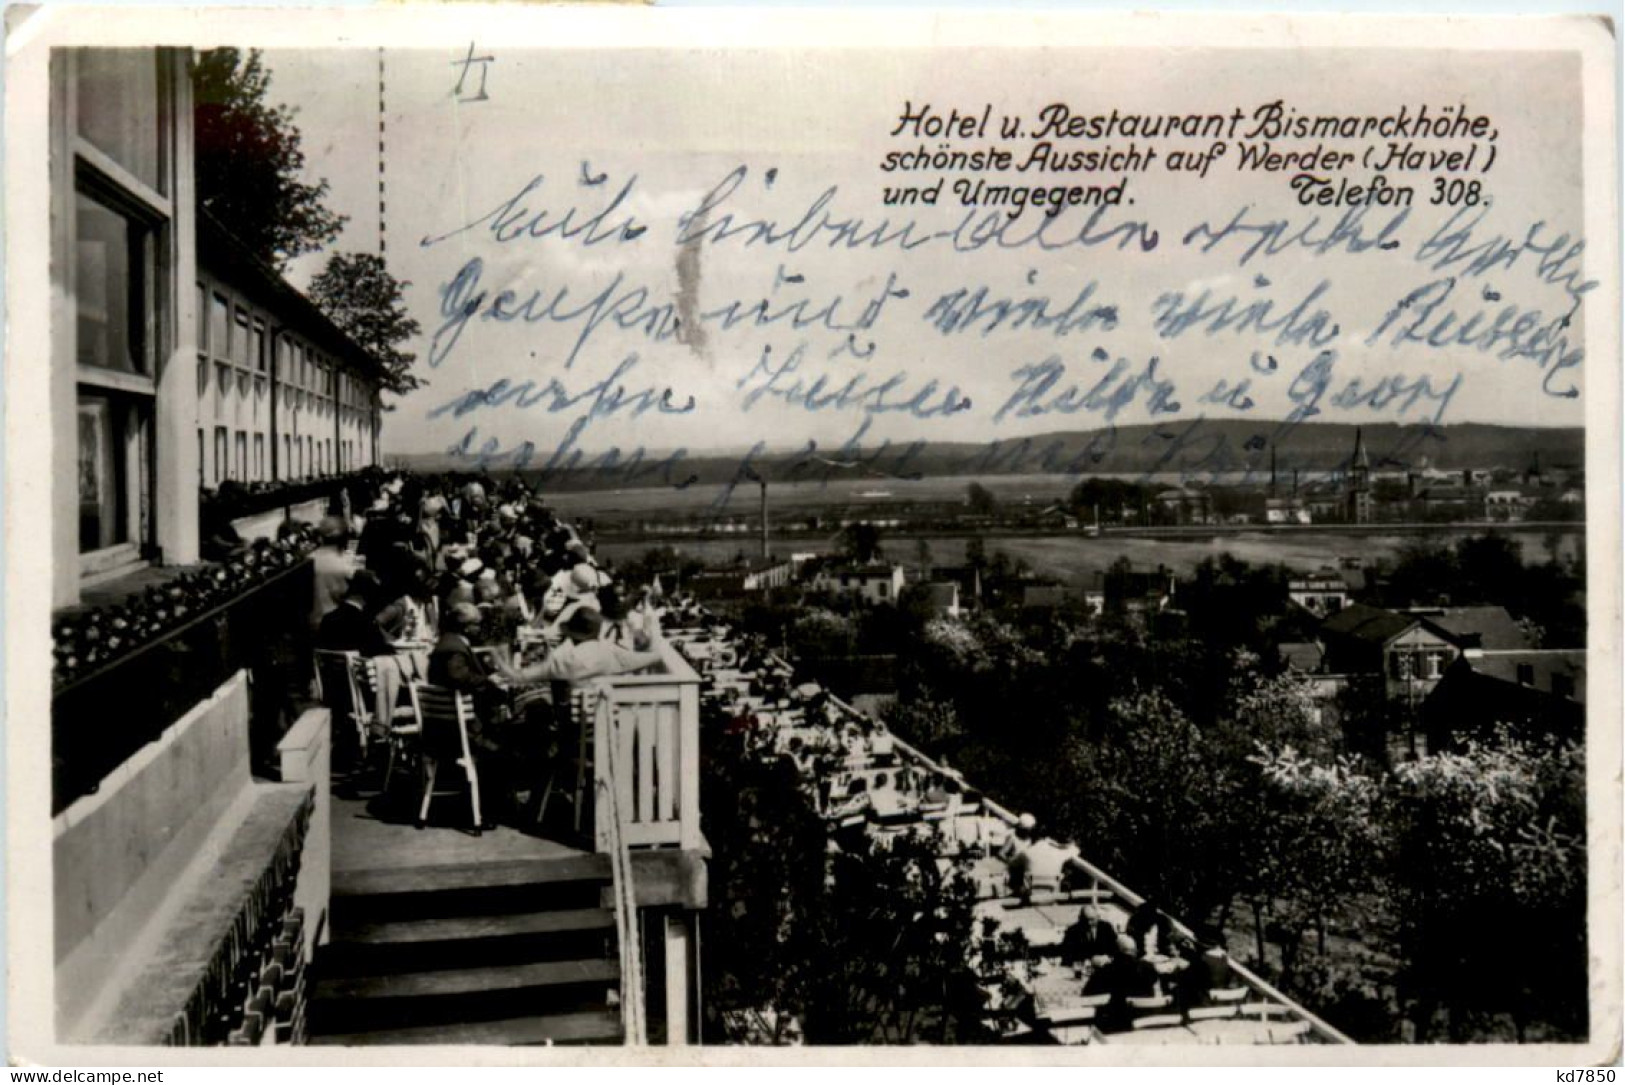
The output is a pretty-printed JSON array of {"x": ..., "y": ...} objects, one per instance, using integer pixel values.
[
  {"x": 653, "y": 721},
  {"x": 612, "y": 839},
  {"x": 1322, "y": 1031}
]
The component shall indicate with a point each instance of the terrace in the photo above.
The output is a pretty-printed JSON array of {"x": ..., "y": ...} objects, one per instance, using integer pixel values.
[
  {"x": 345, "y": 923},
  {"x": 175, "y": 766}
]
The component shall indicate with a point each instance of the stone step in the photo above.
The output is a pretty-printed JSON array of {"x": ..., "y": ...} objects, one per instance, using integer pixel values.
[
  {"x": 585, "y": 1027},
  {"x": 472, "y": 927},
  {"x": 465, "y": 981},
  {"x": 462, "y": 877}
]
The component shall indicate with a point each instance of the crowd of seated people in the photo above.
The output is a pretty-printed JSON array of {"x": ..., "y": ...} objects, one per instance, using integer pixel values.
[
  {"x": 451, "y": 580},
  {"x": 870, "y": 787},
  {"x": 1145, "y": 961}
]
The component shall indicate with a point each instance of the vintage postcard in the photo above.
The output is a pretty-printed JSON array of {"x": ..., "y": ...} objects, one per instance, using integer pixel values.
[{"x": 811, "y": 538}]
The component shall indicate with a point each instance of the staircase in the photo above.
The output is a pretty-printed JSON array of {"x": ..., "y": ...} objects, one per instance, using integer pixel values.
[{"x": 513, "y": 952}]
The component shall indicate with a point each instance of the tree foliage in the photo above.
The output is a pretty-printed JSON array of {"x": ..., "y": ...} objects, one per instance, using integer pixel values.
[
  {"x": 1492, "y": 902},
  {"x": 860, "y": 542},
  {"x": 810, "y": 942},
  {"x": 1182, "y": 758},
  {"x": 358, "y": 294},
  {"x": 980, "y": 500},
  {"x": 249, "y": 161}
]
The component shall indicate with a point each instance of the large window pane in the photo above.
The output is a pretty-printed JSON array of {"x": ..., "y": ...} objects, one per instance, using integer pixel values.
[
  {"x": 220, "y": 327},
  {"x": 103, "y": 518},
  {"x": 110, "y": 288},
  {"x": 119, "y": 108}
]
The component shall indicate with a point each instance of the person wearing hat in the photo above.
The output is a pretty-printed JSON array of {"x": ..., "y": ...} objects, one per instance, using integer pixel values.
[
  {"x": 454, "y": 665},
  {"x": 333, "y": 567}
]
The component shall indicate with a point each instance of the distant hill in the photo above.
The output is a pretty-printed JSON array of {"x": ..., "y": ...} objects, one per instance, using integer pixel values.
[{"x": 1195, "y": 448}]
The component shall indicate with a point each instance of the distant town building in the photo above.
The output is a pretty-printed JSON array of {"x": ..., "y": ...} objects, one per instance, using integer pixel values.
[
  {"x": 1408, "y": 652},
  {"x": 1135, "y": 591},
  {"x": 1508, "y": 506},
  {"x": 1304, "y": 657},
  {"x": 1536, "y": 692},
  {"x": 1057, "y": 517},
  {"x": 744, "y": 578},
  {"x": 1286, "y": 510},
  {"x": 1042, "y": 596},
  {"x": 1485, "y": 628},
  {"x": 1321, "y": 594},
  {"x": 1358, "y": 494},
  {"x": 871, "y": 583},
  {"x": 1184, "y": 505}
]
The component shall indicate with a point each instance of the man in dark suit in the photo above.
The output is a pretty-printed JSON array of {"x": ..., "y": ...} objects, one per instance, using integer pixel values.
[
  {"x": 454, "y": 665},
  {"x": 349, "y": 627},
  {"x": 1088, "y": 938}
]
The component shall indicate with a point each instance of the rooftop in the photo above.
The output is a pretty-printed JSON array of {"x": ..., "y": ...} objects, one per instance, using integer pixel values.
[
  {"x": 1487, "y": 627},
  {"x": 1367, "y": 623}
]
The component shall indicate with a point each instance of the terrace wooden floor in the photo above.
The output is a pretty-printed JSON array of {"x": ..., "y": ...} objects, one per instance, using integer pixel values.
[
  {"x": 368, "y": 836},
  {"x": 443, "y": 937}
]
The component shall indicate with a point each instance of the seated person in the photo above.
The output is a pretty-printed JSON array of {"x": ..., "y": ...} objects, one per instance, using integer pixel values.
[
  {"x": 1123, "y": 976},
  {"x": 1090, "y": 937},
  {"x": 1044, "y": 865},
  {"x": 583, "y": 656},
  {"x": 1020, "y": 839},
  {"x": 1209, "y": 970},
  {"x": 349, "y": 627},
  {"x": 454, "y": 665},
  {"x": 620, "y": 626},
  {"x": 1151, "y": 930}
]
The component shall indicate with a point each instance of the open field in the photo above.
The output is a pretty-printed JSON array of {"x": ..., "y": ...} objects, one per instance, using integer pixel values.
[
  {"x": 1074, "y": 559},
  {"x": 835, "y": 498}
]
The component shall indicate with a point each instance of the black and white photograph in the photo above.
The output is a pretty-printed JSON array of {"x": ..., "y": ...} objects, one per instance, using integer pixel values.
[{"x": 840, "y": 533}]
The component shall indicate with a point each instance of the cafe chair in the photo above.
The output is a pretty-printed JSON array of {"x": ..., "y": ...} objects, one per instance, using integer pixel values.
[
  {"x": 336, "y": 687},
  {"x": 444, "y": 716},
  {"x": 404, "y": 728},
  {"x": 581, "y": 709}
]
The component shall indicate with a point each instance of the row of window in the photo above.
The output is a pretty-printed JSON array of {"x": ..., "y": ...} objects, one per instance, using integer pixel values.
[
  {"x": 302, "y": 457},
  {"x": 121, "y": 266},
  {"x": 232, "y": 334}
]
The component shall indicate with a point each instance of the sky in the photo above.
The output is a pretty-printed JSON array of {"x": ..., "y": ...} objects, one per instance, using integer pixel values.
[{"x": 647, "y": 337}]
